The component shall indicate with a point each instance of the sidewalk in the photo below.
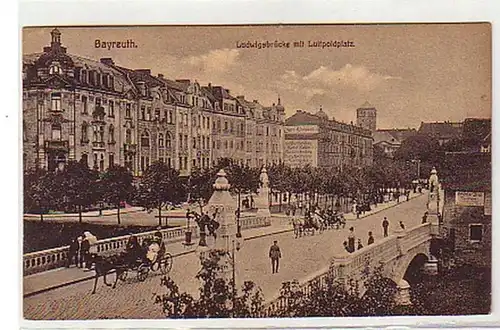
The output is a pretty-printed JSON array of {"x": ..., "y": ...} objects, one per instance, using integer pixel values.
[{"x": 60, "y": 277}]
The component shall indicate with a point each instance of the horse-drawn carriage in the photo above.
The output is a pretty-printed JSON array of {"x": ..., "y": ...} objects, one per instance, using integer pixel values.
[
  {"x": 317, "y": 220},
  {"x": 141, "y": 259}
]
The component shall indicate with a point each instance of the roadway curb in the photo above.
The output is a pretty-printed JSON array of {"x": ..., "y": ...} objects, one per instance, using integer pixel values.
[{"x": 378, "y": 211}]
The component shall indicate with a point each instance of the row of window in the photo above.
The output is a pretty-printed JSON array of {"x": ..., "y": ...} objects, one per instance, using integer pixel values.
[{"x": 94, "y": 78}]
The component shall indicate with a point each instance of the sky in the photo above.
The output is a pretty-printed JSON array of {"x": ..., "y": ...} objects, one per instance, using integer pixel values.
[{"x": 410, "y": 73}]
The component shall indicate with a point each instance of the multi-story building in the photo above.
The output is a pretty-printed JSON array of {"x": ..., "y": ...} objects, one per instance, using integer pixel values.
[
  {"x": 467, "y": 205},
  {"x": 316, "y": 140},
  {"x": 102, "y": 113},
  {"x": 264, "y": 132}
]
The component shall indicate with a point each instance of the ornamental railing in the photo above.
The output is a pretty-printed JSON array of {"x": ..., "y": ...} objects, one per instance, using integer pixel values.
[{"x": 40, "y": 261}]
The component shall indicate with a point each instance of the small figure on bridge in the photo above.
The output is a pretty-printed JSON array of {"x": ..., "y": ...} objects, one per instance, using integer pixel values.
[
  {"x": 351, "y": 239},
  {"x": 385, "y": 225},
  {"x": 371, "y": 240},
  {"x": 275, "y": 255},
  {"x": 402, "y": 225},
  {"x": 424, "y": 218},
  {"x": 346, "y": 247},
  {"x": 360, "y": 245}
]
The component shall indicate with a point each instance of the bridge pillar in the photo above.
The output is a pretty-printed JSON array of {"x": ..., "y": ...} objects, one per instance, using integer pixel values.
[
  {"x": 431, "y": 266},
  {"x": 402, "y": 297}
]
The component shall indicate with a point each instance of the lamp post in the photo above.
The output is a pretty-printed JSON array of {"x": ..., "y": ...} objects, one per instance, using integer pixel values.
[
  {"x": 418, "y": 167},
  {"x": 236, "y": 246}
]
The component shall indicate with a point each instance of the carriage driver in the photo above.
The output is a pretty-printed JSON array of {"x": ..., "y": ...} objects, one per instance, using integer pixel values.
[{"x": 160, "y": 249}]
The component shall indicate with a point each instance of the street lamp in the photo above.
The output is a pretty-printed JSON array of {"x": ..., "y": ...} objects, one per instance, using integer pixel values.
[
  {"x": 237, "y": 243},
  {"x": 418, "y": 167}
]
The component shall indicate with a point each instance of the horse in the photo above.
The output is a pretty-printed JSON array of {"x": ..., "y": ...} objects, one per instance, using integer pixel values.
[
  {"x": 310, "y": 224},
  {"x": 103, "y": 265}
]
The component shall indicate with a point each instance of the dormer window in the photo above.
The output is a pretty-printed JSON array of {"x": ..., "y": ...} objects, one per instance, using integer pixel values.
[{"x": 55, "y": 68}]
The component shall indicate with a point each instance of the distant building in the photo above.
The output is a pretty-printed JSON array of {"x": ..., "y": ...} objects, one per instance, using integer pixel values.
[
  {"x": 386, "y": 142},
  {"x": 442, "y": 131},
  {"x": 366, "y": 117},
  {"x": 390, "y": 140},
  {"x": 316, "y": 140},
  {"x": 476, "y": 134},
  {"x": 467, "y": 205}
]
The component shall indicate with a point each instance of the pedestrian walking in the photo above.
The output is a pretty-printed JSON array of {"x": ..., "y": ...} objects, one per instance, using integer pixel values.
[
  {"x": 385, "y": 225},
  {"x": 84, "y": 252},
  {"x": 346, "y": 247},
  {"x": 424, "y": 218},
  {"x": 351, "y": 239},
  {"x": 401, "y": 224},
  {"x": 275, "y": 255},
  {"x": 360, "y": 245},
  {"x": 92, "y": 251},
  {"x": 74, "y": 248},
  {"x": 371, "y": 240}
]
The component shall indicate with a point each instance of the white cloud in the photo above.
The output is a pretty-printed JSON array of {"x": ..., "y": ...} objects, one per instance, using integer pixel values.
[
  {"x": 214, "y": 62},
  {"x": 358, "y": 77}
]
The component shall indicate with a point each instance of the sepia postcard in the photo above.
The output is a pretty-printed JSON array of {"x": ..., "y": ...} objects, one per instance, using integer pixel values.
[{"x": 256, "y": 171}]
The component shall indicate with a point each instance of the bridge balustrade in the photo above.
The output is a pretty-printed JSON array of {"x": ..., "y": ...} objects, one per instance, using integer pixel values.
[
  {"x": 40, "y": 261},
  {"x": 351, "y": 266}
]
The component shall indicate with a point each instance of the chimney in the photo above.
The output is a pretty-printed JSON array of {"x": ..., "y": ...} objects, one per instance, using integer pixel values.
[
  {"x": 143, "y": 71},
  {"x": 209, "y": 85},
  {"x": 255, "y": 101},
  {"x": 227, "y": 90},
  {"x": 240, "y": 97},
  {"x": 160, "y": 75},
  {"x": 107, "y": 61}
]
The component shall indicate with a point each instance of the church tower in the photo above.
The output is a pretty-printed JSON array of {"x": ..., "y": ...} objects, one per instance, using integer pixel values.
[{"x": 366, "y": 117}]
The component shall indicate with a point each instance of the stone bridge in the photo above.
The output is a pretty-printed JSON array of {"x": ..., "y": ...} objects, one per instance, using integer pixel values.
[{"x": 397, "y": 256}]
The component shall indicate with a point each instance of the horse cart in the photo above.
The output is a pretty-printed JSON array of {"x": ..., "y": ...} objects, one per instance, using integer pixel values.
[
  {"x": 154, "y": 261},
  {"x": 152, "y": 258}
]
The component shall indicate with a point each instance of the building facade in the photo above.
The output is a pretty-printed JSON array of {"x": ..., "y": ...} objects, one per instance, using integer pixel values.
[
  {"x": 316, "y": 140},
  {"x": 102, "y": 113},
  {"x": 467, "y": 206}
]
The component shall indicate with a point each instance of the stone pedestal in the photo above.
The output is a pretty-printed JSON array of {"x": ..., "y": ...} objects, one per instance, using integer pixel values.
[
  {"x": 431, "y": 267},
  {"x": 262, "y": 202},
  {"x": 222, "y": 204},
  {"x": 403, "y": 297}
]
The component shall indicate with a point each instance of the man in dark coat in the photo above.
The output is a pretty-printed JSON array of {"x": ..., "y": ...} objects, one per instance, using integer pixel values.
[
  {"x": 74, "y": 247},
  {"x": 85, "y": 253},
  {"x": 385, "y": 225},
  {"x": 371, "y": 240},
  {"x": 351, "y": 240},
  {"x": 275, "y": 255}
]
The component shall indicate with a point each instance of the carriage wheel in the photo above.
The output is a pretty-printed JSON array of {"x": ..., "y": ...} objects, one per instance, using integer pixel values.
[
  {"x": 156, "y": 265},
  {"x": 123, "y": 275},
  {"x": 165, "y": 263},
  {"x": 142, "y": 272}
]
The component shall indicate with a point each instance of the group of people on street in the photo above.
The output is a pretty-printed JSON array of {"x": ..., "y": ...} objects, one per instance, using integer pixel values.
[
  {"x": 350, "y": 244},
  {"x": 82, "y": 250}
]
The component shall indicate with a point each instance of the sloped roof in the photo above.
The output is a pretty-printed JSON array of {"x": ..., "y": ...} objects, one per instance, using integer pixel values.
[
  {"x": 366, "y": 105},
  {"x": 379, "y": 136},
  {"x": 400, "y": 134},
  {"x": 440, "y": 129}
]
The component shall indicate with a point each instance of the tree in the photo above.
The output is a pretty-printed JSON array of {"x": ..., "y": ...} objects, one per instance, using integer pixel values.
[
  {"x": 216, "y": 295},
  {"x": 200, "y": 183},
  {"x": 117, "y": 186},
  {"x": 159, "y": 187},
  {"x": 78, "y": 184},
  {"x": 39, "y": 191}
]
